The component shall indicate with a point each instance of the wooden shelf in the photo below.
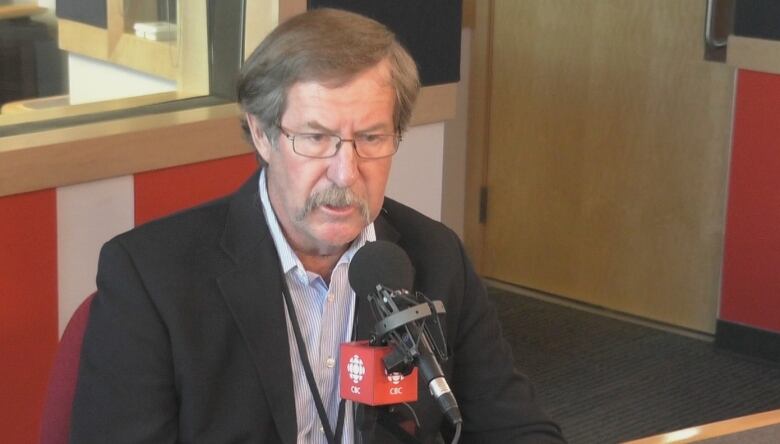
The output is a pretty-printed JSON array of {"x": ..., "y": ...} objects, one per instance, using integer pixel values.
[
  {"x": 149, "y": 56},
  {"x": 18, "y": 11}
]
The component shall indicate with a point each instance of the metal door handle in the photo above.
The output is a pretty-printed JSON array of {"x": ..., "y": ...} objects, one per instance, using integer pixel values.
[{"x": 709, "y": 24}]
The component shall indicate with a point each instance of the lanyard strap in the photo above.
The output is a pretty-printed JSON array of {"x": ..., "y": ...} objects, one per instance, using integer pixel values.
[{"x": 315, "y": 393}]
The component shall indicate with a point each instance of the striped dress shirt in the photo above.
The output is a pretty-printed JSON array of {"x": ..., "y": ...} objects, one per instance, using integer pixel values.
[{"x": 325, "y": 314}]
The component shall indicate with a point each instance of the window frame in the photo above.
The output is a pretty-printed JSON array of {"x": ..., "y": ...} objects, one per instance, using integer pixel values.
[{"x": 129, "y": 142}]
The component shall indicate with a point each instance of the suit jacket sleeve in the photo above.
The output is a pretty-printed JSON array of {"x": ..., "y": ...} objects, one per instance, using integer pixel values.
[
  {"x": 497, "y": 402},
  {"x": 125, "y": 390}
]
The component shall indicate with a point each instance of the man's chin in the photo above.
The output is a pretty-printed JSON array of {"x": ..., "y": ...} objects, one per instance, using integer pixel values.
[{"x": 338, "y": 236}]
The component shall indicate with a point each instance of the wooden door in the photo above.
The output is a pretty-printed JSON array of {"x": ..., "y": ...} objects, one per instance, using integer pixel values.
[{"x": 607, "y": 160}]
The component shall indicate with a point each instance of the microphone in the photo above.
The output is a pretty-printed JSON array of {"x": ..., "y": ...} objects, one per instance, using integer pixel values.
[
  {"x": 382, "y": 272},
  {"x": 364, "y": 377}
]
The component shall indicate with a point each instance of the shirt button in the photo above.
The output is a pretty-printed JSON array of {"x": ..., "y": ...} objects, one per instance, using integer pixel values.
[
  {"x": 330, "y": 298},
  {"x": 322, "y": 429},
  {"x": 330, "y": 362}
]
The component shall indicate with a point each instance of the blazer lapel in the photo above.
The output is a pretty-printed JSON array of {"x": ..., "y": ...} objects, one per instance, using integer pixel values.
[
  {"x": 253, "y": 293},
  {"x": 384, "y": 229}
]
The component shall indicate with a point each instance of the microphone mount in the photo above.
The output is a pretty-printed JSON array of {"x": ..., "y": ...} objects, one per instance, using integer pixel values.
[{"x": 406, "y": 320}]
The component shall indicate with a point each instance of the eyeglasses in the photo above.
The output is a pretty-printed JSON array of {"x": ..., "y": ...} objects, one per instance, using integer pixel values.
[{"x": 322, "y": 146}]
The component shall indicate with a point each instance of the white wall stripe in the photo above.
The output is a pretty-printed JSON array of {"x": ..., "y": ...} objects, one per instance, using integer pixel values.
[
  {"x": 88, "y": 215},
  {"x": 416, "y": 177}
]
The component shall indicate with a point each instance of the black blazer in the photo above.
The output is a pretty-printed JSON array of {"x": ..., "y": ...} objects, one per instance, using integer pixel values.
[{"x": 187, "y": 340}]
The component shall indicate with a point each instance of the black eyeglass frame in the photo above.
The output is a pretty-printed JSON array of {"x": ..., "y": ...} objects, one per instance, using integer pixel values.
[{"x": 291, "y": 137}]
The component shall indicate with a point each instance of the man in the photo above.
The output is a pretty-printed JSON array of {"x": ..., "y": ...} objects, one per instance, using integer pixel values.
[{"x": 212, "y": 325}]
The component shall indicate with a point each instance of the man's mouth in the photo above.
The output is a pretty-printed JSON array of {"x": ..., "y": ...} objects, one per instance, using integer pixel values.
[{"x": 338, "y": 209}]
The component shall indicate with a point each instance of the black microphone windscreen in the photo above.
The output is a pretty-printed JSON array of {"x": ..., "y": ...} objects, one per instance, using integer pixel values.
[{"x": 380, "y": 262}]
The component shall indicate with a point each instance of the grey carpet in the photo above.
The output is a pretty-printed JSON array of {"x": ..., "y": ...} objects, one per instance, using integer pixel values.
[{"x": 606, "y": 381}]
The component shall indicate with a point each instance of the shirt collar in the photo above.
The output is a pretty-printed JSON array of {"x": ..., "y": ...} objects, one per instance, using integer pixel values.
[{"x": 287, "y": 256}]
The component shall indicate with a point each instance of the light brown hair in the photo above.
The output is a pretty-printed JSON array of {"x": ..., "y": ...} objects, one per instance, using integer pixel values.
[{"x": 323, "y": 45}]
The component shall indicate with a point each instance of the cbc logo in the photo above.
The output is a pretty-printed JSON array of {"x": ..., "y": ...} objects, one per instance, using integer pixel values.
[
  {"x": 356, "y": 369},
  {"x": 395, "y": 378}
]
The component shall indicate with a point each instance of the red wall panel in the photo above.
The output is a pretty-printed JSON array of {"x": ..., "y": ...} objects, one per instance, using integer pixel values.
[
  {"x": 161, "y": 192},
  {"x": 751, "y": 267},
  {"x": 28, "y": 309}
]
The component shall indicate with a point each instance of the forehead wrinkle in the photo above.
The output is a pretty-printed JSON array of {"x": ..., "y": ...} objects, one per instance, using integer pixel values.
[
  {"x": 315, "y": 125},
  {"x": 311, "y": 102}
]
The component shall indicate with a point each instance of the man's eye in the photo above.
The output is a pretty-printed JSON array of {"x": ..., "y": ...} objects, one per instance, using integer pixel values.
[
  {"x": 370, "y": 138},
  {"x": 314, "y": 137}
]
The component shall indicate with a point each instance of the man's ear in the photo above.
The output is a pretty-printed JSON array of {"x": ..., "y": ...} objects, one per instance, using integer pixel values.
[{"x": 260, "y": 140}]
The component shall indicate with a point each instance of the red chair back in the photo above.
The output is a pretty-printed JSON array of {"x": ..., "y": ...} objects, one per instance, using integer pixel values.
[{"x": 55, "y": 422}]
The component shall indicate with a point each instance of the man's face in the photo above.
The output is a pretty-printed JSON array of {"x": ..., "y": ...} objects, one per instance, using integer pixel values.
[{"x": 363, "y": 105}]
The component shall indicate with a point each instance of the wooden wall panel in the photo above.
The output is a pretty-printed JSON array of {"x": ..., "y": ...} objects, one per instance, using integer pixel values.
[{"x": 609, "y": 139}]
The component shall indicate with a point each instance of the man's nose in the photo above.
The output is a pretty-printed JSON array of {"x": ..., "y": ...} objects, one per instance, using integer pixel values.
[{"x": 343, "y": 170}]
